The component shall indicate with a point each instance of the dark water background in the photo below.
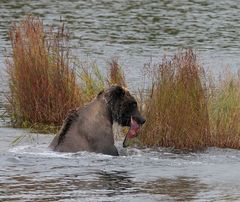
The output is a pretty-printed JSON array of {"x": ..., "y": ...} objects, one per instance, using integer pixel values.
[{"x": 136, "y": 32}]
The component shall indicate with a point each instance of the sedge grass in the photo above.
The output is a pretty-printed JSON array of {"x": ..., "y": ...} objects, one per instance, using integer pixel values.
[
  {"x": 91, "y": 80},
  {"x": 45, "y": 81},
  {"x": 176, "y": 110},
  {"x": 115, "y": 74},
  {"x": 224, "y": 112},
  {"x": 42, "y": 80}
]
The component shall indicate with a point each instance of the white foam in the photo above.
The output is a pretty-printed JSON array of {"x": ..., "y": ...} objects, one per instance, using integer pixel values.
[{"x": 44, "y": 151}]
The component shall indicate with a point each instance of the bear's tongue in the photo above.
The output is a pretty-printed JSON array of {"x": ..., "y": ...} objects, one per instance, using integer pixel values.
[
  {"x": 132, "y": 132},
  {"x": 134, "y": 128}
]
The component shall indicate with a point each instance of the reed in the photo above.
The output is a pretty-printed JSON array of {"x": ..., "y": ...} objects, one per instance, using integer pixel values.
[
  {"x": 91, "y": 80},
  {"x": 224, "y": 112},
  {"x": 116, "y": 74},
  {"x": 176, "y": 108},
  {"x": 42, "y": 79}
]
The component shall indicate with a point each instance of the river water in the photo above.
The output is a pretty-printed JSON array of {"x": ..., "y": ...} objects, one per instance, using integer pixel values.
[
  {"x": 136, "y": 32},
  {"x": 31, "y": 172}
]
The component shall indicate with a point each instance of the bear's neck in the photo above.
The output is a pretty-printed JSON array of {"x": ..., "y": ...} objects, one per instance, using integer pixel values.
[{"x": 103, "y": 108}]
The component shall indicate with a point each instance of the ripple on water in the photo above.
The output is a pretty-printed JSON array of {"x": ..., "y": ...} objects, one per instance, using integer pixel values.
[
  {"x": 36, "y": 173},
  {"x": 137, "y": 31}
]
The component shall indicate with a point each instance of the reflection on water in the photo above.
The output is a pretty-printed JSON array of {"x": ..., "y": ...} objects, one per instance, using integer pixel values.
[
  {"x": 117, "y": 182},
  {"x": 181, "y": 189},
  {"x": 109, "y": 184}
]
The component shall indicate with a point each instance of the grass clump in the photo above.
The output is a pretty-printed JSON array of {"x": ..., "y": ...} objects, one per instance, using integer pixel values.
[
  {"x": 45, "y": 81},
  {"x": 91, "y": 80},
  {"x": 42, "y": 79},
  {"x": 224, "y": 112},
  {"x": 116, "y": 74},
  {"x": 176, "y": 110}
]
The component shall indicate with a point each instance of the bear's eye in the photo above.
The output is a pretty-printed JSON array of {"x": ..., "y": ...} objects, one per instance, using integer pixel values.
[{"x": 134, "y": 104}]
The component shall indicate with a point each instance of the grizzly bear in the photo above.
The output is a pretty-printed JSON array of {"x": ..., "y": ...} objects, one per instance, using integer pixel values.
[{"x": 90, "y": 128}]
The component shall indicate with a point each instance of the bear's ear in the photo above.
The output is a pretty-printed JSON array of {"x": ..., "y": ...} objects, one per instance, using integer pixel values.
[{"x": 118, "y": 91}]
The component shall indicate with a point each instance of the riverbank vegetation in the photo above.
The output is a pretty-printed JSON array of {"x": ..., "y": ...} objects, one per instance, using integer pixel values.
[
  {"x": 187, "y": 109},
  {"x": 224, "y": 111},
  {"x": 42, "y": 78},
  {"x": 45, "y": 80},
  {"x": 176, "y": 110},
  {"x": 184, "y": 107}
]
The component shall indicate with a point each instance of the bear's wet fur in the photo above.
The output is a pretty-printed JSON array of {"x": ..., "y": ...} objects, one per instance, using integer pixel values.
[{"x": 90, "y": 128}]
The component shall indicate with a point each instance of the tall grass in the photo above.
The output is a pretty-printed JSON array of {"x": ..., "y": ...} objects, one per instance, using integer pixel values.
[
  {"x": 45, "y": 81},
  {"x": 176, "y": 111},
  {"x": 224, "y": 112},
  {"x": 91, "y": 80},
  {"x": 116, "y": 74},
  {"x": 42, "y": 79}
]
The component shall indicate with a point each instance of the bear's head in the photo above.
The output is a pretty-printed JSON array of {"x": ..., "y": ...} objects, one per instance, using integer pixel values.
[{"x": 124, "y": 109}]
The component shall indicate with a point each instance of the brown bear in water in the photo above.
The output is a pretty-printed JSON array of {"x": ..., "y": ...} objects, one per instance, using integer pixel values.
[{"x": 90, "y": 128}]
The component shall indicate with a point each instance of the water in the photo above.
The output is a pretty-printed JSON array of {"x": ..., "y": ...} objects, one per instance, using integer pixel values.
[
  {"x": 136, "y": 32},
  {"x": 31, "y": 172}
]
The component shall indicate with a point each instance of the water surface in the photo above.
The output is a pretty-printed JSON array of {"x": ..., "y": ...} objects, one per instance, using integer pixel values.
[
  {"x": 136, "y": 30},
  {"x": 31, "y": 172}
]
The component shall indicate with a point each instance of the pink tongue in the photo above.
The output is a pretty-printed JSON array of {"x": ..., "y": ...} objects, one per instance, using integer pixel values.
[{"x": 134, "y": 128}]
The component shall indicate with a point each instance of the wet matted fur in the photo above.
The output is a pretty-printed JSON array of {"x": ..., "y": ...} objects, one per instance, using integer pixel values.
[{"x": 90, "y": 128}]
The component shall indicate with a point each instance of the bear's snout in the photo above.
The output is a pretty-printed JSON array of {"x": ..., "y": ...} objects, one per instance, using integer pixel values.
[
  {"x": 142, "y": 121},
  {"x": 139, "y": 119}
]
